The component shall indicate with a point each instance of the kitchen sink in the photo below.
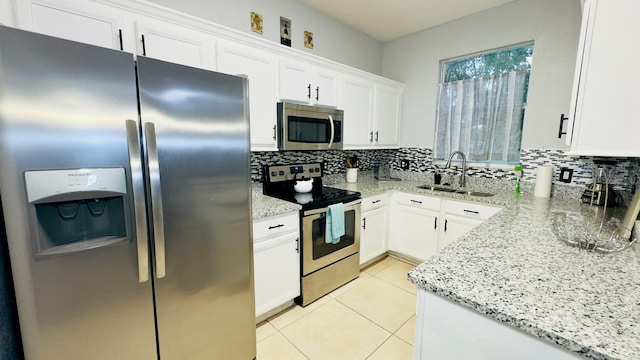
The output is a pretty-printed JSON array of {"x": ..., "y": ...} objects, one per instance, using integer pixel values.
[{"x": 456, "y": 191}]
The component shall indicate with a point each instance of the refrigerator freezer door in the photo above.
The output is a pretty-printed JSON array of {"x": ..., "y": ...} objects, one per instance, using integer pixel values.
[
  {"x": 64, "y": 105},
  {"x": 205, "y": 302}
]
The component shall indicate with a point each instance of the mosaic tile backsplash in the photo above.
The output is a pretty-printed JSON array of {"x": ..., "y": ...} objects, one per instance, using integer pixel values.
[{"x": 627, "y": 170}]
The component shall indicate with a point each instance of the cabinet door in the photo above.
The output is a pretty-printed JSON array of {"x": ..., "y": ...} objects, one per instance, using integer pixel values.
[
  {"x": 357, "y": 102},
  {"x": 261, "y": 69},
  {"x": 387, "y": 116},
  {"x": 175, "y": 44},
  {"x": 415, "y": 231},
  {"x": 606, "y": 84},
  {"x": 295, "y": 81},
  {"x": 453, "y": 228},
  {"x": 93, "y": 24},
  {"x": 276, "y": 272},
  {"x": 325, "y": 92},
  {"x": 373, "y": 239}
]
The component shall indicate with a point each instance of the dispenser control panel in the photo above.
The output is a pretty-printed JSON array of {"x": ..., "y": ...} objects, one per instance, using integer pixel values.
[{"x": 43, "y": 184}]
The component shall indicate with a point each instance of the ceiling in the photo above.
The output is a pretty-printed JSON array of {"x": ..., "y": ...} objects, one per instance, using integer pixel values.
[{"x": 390, "y": 19}]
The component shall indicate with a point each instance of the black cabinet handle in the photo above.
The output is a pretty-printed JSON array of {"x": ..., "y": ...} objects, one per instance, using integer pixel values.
[
  {"x": 120, "y": 36},
  {"x": 562, "y": 120},
  {"x": 371, "y": 136},
  {"x": 309, "y": 91},
  {"x": 318, "y": 93},
  {"x": 446, "y": 222},
  {"x": 375, "y": 201},
  {"x": 274, "y": 132},
  {"x": 471, "y": 211},
  {"x": 298, "y": 245},
  {"x": 144, "y": 47},
  {"x": 275, "y": 227},
  {"x": 364, "y": 223},
  {"x": 376, "y": 136},
  {"x": 416, "y": 201},
  {"x": 435, "y": 223}
]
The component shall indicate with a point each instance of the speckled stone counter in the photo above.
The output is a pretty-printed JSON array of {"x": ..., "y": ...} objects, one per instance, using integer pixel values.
[
  {"x": 264, "y": 206},
  {"x": 513, "y": 268}
]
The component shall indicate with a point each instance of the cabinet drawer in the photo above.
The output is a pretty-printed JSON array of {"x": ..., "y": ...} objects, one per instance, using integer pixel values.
[
  {"x": 275, "y": 225},
  {"x": 472, "y": 210},
  {"x": 374, "y": 202},
  {"x": 419, "y": 201}
]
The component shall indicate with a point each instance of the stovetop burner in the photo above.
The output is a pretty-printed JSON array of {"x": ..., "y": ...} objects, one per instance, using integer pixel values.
[{"x": 279, "y": 180}]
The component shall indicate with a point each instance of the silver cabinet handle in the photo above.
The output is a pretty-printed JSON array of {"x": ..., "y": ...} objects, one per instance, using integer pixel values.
[
  {"x": 364, "y": 223},
  {"x": 137, "y": 182},
  {"x": 274, "y": 132},
  {"x": 333, "y": 131},
  {"x": 156, "y": 198}
]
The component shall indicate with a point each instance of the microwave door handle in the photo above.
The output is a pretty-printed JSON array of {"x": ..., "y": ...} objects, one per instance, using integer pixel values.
[
  {"x": 137, "y": 181},
  {"x": 156, "y": 199},
  {"x": 333, "y": 131}
]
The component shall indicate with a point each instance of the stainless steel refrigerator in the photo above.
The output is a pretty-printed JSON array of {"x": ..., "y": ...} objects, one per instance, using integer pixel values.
[{"x": 125, "y": 188}]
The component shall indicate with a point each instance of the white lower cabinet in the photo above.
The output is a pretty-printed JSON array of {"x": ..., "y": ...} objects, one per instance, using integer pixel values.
[
  {"x": 421, "y": 225},
  {"x": 276, "y": 260},
  {"x": 373, "y": 235},
  {"x": 447, "y": 330},
  {"x": 459, "y": 217},
  {"x": 415, "y": 225}
]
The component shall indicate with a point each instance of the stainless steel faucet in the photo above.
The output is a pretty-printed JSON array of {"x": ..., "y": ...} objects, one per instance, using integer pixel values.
[{"x": 463, "y": 177}]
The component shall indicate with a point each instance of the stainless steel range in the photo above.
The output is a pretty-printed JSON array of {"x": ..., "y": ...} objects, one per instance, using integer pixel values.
[{"x": 325, "y": 266}]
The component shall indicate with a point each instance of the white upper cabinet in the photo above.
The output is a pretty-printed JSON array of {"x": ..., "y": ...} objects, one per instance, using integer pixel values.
[
  {"x": 307, "y": 84},
  {"x": 387, "y": 115},
  {"x": 357, "y": 103},
  {"x": 606, "y": 84},
  {"x": 89, "y": 23},
  {"x": 371, "y": 112},
  {"x": 176, "y": 44},
  {"x": 261, "y": 67}
]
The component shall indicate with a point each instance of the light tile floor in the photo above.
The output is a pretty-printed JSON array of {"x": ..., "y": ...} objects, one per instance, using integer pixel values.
[{"x": 372, "y": 317}]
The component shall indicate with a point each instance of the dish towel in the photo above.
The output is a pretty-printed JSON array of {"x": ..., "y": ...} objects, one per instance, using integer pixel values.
[{"x": 335, "y": 223}]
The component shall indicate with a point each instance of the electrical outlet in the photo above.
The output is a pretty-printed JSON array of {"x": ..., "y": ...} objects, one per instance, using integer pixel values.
[
  {"x": 565, "y": 175},
  {"x": 405, "y": 164}
]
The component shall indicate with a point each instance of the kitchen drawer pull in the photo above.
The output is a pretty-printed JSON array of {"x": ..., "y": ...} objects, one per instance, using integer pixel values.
[
  {"x": 472, "y": 211},
  {"x": 120, "y": 38},
  {"x": 275, "y": 227},
  {"x": 144, "y": 47},
  {"x": 416, "y": 201},
  {"x": 371, "y": 136},
  {"x": 376, "y": 136},
  {"x": 364, "y": 223},
  {"x": 435, "y": 223},
  {"x": 298, "y": 245},
  {"x": 317, "y": 93},
  {"x": 274, "y": 132},
  {"x": 375, "y": 201},
  {"x": 446, "y": 222},
  {"x": 309, "y": 91}
]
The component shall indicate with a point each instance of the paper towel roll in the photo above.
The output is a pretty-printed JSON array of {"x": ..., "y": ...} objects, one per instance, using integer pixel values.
[{"x": 544, "y": 177}]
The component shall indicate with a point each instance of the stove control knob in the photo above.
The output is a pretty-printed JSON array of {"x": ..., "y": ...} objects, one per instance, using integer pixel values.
[
  {"x": 274, "y": 173},
  {"x": 281, "y": 173},
  {"x": 317, "y": 170},
  {"x": 311, "y": 170}
]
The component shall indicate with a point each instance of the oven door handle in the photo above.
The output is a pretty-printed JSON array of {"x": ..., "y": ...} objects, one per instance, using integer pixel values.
[
  {"x": 333, "y": 131},
  {"x": 347, "y": 207}
]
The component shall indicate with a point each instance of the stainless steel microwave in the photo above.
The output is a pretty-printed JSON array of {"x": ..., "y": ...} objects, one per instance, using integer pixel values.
[{"x": 304, "y": 127}]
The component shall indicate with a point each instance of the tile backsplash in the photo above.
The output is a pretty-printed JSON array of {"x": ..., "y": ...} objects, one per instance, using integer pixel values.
[{"x": 626, "y": 176}]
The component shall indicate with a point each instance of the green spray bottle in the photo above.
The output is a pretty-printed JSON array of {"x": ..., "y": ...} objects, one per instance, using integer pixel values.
[{"x": 518, "y": 170}]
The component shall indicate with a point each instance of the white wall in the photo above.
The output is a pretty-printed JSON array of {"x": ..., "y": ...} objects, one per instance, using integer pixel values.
[
  {"x": 332, "y": 39},
  {"x": 554, "y": 25},
  {"x": 6, "y": 13}
]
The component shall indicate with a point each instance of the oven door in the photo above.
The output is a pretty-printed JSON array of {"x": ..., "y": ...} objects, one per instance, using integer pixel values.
[{"x": 316, "y": 252}]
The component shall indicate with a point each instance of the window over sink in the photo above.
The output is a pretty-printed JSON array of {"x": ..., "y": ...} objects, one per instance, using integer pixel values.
[{"x": 481, "y": 104}]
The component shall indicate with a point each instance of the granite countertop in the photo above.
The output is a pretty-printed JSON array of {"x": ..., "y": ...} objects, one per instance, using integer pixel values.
[
  {"x": 514, "y": 269},
  {"x": 263, "y": 206}
]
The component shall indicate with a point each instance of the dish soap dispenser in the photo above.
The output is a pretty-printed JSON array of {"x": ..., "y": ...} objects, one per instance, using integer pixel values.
[{"x": 518, "y": 170}]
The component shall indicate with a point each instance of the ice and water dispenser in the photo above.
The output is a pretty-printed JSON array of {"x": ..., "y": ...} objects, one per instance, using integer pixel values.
[{"x": 76, "y": 209}]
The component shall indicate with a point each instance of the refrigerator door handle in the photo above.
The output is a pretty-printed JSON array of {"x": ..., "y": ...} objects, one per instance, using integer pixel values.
[
  {"x": 156, "y": 198},
  {"x": 137, "y": 181}
]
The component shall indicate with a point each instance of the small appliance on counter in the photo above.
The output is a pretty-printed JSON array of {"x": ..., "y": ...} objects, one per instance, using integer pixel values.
[
  {"x": 382, "y": 172},
  {"x": 601, "y": 192}
]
